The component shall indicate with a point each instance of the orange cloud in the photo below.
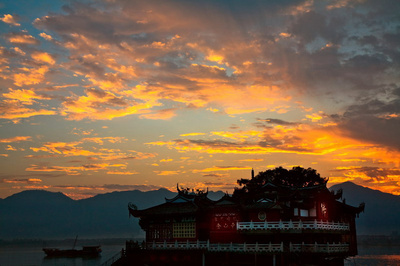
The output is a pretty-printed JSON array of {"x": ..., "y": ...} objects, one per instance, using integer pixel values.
[
  {"x": 222, "y": 168},
  {"x": 43, "y": 57},
  {"x": 251, "y": 160},
  {"x": 64, "y": 148},
  {"x": 29, "y": 76},
  {"x": 239, "y": 136},
  {"x": 10, "y": 19},
  {"x": 100, "y": 141},
  {"x": 46, "y": 36},
  {"x": 74, "y": 170},
  {"x": 22, "y": 38},
  {"x": 343, "y": 3},
  {"x": 167, "y": 172},
  {"x": 74, "y": 149},
  {"x": 23, "y": 181},
  {"x": 19, "y": 51},
  {"x": 328, "y": 143},
  {"x": 16, "y": 139},
  {"x": 192, "y": 134},
  {"x": 27, "y": 97},
  {"x": 122, "y": 173},
  {"x": 215, "y": 58},
  {"x": 100, "y": 105},
  {"x": 67, "y": 170},
  {"x": 15, "y": 101},
  {"x": 166, "y": 160},
  {"x": 16, "y": 113},
  {"x": 10, "y": 148},
  {"x": 314, "y": 117}
]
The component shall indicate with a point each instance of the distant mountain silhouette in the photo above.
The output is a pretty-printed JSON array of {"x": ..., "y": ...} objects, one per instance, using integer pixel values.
[
  {"x": 35, "y": 213},
  {"x": 382, "y": 210},
  {"x": 44, "y": 214}
]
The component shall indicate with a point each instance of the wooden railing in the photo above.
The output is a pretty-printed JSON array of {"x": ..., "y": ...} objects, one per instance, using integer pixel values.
[
  {"x": 257, "y": 247},
  {"x": 297, "y": 225}
]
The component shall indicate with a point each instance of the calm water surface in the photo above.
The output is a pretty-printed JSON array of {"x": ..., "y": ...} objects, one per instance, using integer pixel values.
[
  {"x": 34, "y": 256},
  {"x": 376, "y": 256}
]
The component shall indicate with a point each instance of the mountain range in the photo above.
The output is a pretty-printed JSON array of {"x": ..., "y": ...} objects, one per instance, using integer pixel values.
[
  {"x": 382, "y": 210},
  {"x": 42, "y": 214}
]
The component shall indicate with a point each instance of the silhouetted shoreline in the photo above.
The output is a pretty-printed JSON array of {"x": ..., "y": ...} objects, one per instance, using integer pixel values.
[{"x": 62, "y": 242}]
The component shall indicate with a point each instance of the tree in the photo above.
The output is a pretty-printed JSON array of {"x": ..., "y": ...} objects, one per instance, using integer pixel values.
[{"x": 297, "y": 177}]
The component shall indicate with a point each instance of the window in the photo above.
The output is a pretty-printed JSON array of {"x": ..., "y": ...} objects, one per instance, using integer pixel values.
[
  {"x": 184, "y": 230},
  {"x": 313, "y": 212},
  {"x": 296, "y": 211},
  {"x": 159, "y": 232},
  {"x": 303, "y": 213}
]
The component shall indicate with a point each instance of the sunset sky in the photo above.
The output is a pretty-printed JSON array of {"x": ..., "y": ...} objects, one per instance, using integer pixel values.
[{"x": 112, "y": 95}]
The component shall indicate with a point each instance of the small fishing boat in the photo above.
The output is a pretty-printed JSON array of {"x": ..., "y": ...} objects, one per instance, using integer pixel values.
[{"x": 86, "y": 251}]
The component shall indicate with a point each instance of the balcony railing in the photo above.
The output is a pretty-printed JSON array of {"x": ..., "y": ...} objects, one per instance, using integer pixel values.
[
  {"x": 319, "y": 248},
  {"x": 245, "y": 247},
  {"x": 297, "y": 225}
]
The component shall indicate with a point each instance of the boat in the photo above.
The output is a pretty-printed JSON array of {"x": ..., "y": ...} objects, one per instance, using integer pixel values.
[{"x": 86, "y": 251}]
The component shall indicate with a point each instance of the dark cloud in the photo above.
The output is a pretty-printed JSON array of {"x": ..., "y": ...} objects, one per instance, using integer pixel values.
[
  {"x": 131, "y": 187},
  {"x": 375, "y": 130},
  {"x": 207, "y": 143},
  {"x": 374, "y": 120},
  {"x": 311, "y": 25},
  {"x": 325, "y": 52},
  {"x": 30, "y": 176},
  {"x": 216, "y": 184},
  {"x": 215, "y": 175},
  {"x": 369, "y": 63},
  {"x": 278, "y": 122}
]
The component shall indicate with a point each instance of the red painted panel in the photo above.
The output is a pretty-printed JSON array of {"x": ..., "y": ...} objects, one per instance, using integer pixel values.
[{"x": 224, "y": 221}]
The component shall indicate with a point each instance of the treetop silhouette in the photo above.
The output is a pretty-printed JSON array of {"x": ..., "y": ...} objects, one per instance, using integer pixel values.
[{"x": 297, "y": 177}]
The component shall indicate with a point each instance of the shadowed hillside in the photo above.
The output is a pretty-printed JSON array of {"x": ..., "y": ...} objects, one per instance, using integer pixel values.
[
  {"x": 382, "y": 210},
  {"x": 43, "y": 214}
]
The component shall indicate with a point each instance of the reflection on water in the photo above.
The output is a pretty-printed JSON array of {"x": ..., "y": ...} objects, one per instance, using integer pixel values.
[
  {"x": 376, "y": 256},
  {"x": 374, "y": 260},
  {"x": 34, "y": 256}
]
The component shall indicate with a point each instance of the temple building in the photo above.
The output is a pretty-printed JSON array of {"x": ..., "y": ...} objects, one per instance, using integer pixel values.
[{"x": 268, "y": 221}]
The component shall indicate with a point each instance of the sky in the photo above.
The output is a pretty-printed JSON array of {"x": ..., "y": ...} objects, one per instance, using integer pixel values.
[{"x": 114, "y": 95}]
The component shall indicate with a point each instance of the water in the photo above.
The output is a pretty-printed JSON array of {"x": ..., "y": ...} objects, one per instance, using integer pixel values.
[
  {"x": 33, "y": 255},
  {"x": 376, "y": 256}
]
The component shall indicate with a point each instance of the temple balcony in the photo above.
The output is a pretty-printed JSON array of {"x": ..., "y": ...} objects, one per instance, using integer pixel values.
[
  {"x": 329, "y": 248},
  {"x": 293, "y": 225}
]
